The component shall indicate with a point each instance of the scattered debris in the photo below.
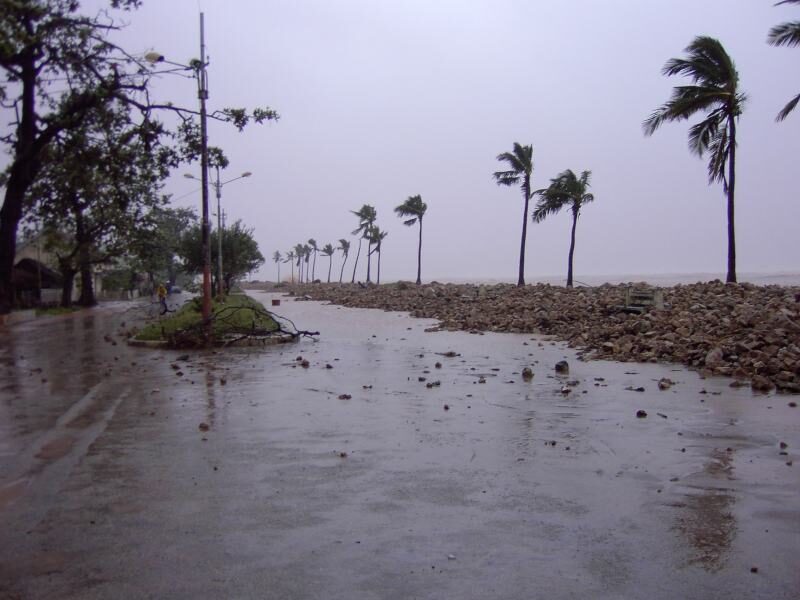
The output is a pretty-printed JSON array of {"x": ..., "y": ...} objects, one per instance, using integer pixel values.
[
  {"x": 641, "y": 414},
  {"x": 665, "y": 383},
  {"x": 527, "y": 373},
  {"x": 630, "y": 388},
  {"x": 562, "y": 367},
  {"x": 344, "y": 396},
  {"x": 203, "y": 427}
]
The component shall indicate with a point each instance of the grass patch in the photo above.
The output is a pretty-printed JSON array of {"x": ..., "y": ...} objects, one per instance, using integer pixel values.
[
  {"x": 53, "y": 311},
  {"x": 237, "y": 315}
]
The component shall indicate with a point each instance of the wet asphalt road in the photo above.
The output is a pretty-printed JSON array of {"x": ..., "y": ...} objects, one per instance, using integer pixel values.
[{"x": 110, "y": 489}]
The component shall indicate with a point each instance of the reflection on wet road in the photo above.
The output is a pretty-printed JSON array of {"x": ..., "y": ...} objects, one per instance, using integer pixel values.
[{"x": 398, "y": 464}]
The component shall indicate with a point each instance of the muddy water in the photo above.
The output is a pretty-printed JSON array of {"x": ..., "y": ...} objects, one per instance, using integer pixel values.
[{"x": 483, "y": 486}]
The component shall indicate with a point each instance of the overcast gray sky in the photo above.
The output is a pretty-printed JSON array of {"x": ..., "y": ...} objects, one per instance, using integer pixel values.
[{"x": 383, "y": 99}]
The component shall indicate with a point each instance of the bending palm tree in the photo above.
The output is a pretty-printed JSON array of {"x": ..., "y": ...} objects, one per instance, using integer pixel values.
[
  {"x": 375, "y": 237},
  {"x": 327, "y": 250},
  {"x": 277, "y": 259},
  {"x": 344, "y": 246},
  {"x": 313, "y": 246},
  {"x": 520, "y": 162},
  {"x": 307, "y": 256},
  {"x": 366, "y": 217},
  {"x": 414, "y": 207},
  {"x": 299, "y": 253},
  {"x": 290, "y": 256},
  {"x": 564, "y": 190},
  {"x": 716, "y": 92},
  {"x": 786, "y": 34}
]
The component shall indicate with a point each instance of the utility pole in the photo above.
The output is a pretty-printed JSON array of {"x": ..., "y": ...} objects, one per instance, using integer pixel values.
[{"x": 202, "y": 94}]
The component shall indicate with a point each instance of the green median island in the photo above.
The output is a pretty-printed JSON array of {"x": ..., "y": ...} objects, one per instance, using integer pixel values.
[{"x": 239, "y": 320}]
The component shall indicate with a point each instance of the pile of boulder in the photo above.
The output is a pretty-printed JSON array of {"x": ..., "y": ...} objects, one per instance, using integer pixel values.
[{"x": 748, "y": 332}]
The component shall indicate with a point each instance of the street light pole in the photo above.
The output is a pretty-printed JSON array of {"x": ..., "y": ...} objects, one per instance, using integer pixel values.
[
  {"x": 202, "y": 94},
  {"x": 218, "y": 185},
  {"x": 220, "y": 287}
]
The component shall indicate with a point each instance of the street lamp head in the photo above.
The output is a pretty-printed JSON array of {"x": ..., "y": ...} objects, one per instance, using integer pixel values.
[
  {"x": 154, "y": 57},
  {"x": 246, "y": 174}
]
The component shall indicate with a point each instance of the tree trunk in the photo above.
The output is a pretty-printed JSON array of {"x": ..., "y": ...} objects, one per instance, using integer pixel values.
[
  {"x": 330, "y": 265},
  {"x": 571, "y": 248},
  {"x": 419, "y": 254},
  {"x": 24, "y": 167},
  {"x": 341, "y": 273},
  {"x": 731, "y": 278},
  {"x": 379, "y": 267},
  {"x": 526, "y": 190},
  {"x": 87, "y": 297},
  {"x": 314, "y": 268},
  {"x": 355, "y": 266},
  {"x": 292, "y": 266},
  {"x": 68, "y": 280},
  {"x": 369, "y": 260}
]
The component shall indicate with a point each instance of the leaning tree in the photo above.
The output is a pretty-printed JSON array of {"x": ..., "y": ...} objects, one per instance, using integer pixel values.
[
  {"x": 415, "y": 208},
  {"x": 520, "y": 169},
  {"x": 715, "y": 92},
  {"x": 786, "y": 34},
  {"x": 565, "y": 191}
]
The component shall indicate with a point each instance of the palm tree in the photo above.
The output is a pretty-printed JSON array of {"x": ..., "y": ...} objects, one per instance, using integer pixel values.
[
  {"x": 366, "y": 217},
  {"x": 564, "y": 190},
  {"x": 786, "y": 34},
  {"x": 290, "y": 256},
  {"x": 520, "y": 162},
  {"x": 327, "y": 250},
  {"x": 716, "y": 92},
  {"x": 299, "y": 253},
  {"x": 306, "y": 257},
  {"x": 313, "y": 244},
  {"x": 375, "y": 237},
  {"x": 344, "y": 246},
  {"x": 277, "y": 259},
  {"x": 414, "y": 207}
]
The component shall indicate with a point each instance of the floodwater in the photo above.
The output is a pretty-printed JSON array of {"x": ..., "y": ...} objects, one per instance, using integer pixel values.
[{"x": 129, "y": 472}]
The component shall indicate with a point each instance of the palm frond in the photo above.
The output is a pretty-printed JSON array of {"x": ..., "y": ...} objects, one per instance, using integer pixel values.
[
  {"x": 701, "y": 134},
  {"x": 410, "y": 222},
  {"x": 788, "y": 108},
  {"x": 507, "y": 177},
  {"x": 547, "y": 205},
  {"x": 719, "y": 148},
  {"x": 785, "y": 34}
]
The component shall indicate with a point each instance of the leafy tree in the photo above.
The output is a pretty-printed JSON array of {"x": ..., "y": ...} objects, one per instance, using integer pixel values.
[
  {"x": 240, "y": 253},
  {"x": 290, "y": 258},
  {"x": 344, "y": 246},
  {"x": 566, "y": 190},
  {"x": 57, "y": 67},
  {"x": 786, "y": 34},
  {"x": 715, "y": 91},
  {"x": 277, "y": 258},
  {"x": 327, "y": 250},
  {"x": 312, "y": 243},
  {"x": 156, "y": 245},
  {"x": 520, "y": 163},
  {"x": 97, "y": 186},
  {"x": 415, "y": 208},
  {"x": 375, "y": 238}
]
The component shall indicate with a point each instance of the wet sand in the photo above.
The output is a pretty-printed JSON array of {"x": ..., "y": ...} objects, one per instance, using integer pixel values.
[{"x": 109, "y": 487}]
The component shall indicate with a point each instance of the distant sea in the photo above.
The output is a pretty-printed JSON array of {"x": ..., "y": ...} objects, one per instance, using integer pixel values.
[{"x": 661, "y": 279}]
